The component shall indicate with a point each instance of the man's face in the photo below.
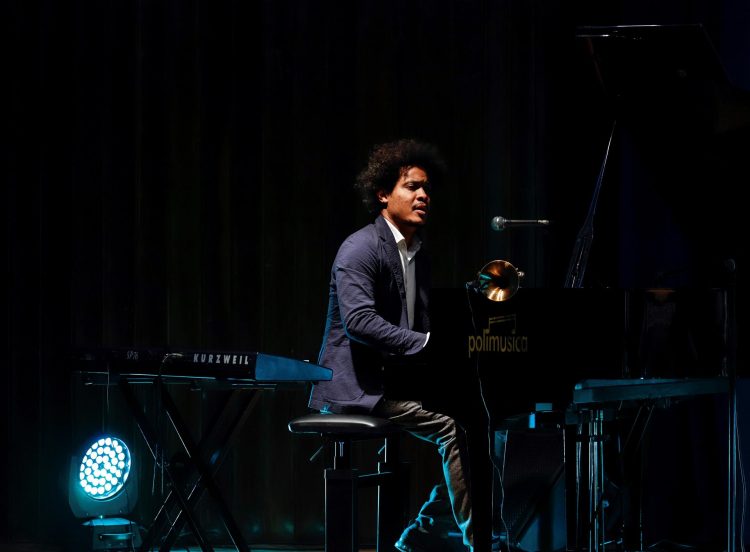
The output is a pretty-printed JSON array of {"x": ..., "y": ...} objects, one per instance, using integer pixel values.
[{"x": 408, "y": 203}]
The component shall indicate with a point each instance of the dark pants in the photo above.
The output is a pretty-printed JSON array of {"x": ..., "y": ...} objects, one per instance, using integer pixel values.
[{"x": 449, "y": 505}]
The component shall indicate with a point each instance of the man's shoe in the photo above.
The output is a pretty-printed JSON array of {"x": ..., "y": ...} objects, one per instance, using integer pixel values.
[
  {"x": 416, "y": 539},
  {"x": 500, "y": 544}
]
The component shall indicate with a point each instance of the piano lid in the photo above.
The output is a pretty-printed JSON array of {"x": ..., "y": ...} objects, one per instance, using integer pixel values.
[
  {"x": 663, "y": 69},
  {"x": 670, "y": 211}
]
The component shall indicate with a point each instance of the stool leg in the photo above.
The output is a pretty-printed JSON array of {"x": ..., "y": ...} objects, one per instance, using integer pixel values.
[
  {"x": 341, "y": 503},
  {"x": 393, "y": 497},
  {"x": 341, "y": 511}
]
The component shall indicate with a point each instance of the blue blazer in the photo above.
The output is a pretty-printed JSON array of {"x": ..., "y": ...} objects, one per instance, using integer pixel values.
[{"x": 367, "y": 319}]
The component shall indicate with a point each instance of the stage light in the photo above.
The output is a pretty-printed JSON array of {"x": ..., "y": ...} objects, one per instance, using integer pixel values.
[
  {"x": 104, "y": 468},
  {"x": 102, "y": 490}
]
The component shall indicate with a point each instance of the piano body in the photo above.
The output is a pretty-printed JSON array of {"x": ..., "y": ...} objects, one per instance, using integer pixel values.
[
  {"x": 527, "y": 354},
  {"x": 528, "y": 351},
  {"x": 540, "y": 363}
]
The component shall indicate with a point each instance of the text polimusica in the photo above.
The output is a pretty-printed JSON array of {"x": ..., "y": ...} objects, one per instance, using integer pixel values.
[{"x": 487, "y": 343}]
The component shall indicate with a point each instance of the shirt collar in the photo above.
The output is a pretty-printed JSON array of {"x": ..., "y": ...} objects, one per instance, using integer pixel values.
[{"x": 399, "y": 237}]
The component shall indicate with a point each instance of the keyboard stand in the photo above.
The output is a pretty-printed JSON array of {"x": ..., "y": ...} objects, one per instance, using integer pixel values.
[
  {"x": 204, "y": 459},
  {"x": 244, "y": 373},
  {"x": 594, "y": 402}
]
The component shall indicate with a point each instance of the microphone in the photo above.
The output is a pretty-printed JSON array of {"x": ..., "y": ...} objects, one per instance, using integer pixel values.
[{"x": 501, "y": 223}]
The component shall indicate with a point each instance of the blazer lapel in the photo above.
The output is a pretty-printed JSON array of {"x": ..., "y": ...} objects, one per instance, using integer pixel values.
[{"x": 393, "y": 257}]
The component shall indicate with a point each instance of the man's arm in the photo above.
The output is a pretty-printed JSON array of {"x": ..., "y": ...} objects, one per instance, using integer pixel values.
[{"x": 355, "y": 272}]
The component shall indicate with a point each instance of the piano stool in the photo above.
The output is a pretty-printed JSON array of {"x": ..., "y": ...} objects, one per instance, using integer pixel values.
[{"x": 342, "y": 480}]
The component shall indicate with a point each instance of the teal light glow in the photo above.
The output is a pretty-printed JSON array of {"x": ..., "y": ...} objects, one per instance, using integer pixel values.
[{"x": 104, "y": 468}]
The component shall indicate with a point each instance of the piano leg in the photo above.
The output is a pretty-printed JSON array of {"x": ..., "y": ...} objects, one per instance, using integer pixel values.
[{"x": 481, "y": 487}]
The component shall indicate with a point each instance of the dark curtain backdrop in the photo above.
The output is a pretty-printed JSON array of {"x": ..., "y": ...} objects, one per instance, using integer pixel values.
[{"x": 179, "y": 174}]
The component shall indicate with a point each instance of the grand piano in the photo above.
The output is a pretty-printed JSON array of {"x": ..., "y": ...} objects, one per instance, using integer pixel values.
[
  {"x": 663, "y": 332},
  {"x": 539, "y": 363}
]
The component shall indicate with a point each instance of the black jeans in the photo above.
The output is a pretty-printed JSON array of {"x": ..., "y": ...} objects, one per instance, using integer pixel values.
[{"x": 454, "y": 495}]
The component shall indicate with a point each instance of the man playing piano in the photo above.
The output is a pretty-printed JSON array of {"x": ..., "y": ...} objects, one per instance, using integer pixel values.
[{"x": 378, "y": 310}]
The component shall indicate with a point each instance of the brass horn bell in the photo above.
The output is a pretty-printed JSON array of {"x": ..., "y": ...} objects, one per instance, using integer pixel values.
[{"x": 498, "y": 280}]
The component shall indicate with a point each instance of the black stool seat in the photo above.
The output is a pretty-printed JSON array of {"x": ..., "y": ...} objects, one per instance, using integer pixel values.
[
  {"x": 342, "y": 480},
  {"x": 354, "y": 426}
]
